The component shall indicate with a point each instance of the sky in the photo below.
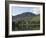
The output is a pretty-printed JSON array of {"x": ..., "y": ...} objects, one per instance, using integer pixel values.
[{"x": 20, "y": 10}]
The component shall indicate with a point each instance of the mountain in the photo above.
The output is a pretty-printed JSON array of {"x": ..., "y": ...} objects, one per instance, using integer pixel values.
[
  {"x": 26, "y": 21},
  {"x": 22, "y": 16},
  {"x": 28, "y": 14}
]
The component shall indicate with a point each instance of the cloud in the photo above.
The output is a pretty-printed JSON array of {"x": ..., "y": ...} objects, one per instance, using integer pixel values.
[
  {"x": 20, "y": 10},
  {"x": 36, "y": 10}
]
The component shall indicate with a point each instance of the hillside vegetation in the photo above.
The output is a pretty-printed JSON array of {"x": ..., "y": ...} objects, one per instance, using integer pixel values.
[{"x": 29, "y": 23}]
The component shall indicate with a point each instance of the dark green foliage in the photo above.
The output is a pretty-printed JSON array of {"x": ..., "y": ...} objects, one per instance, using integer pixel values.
[
  {"x": 33, "y": 24},
  {"x": 13, "y": 26}
]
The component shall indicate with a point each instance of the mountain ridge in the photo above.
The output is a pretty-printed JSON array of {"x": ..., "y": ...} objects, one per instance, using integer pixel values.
[{"x": 22, "y": 16}]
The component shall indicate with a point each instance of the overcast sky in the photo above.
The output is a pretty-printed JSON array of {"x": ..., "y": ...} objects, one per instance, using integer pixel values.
[{"x": 20, "y": 10}]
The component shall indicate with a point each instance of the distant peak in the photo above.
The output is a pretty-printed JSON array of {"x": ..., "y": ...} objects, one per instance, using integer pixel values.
[{"x": 27, "y": 12}]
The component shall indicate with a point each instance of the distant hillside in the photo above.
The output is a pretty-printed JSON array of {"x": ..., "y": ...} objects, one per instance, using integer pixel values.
[
  {"x": 22, "y": 16},
  {"x": 26, "y": 21}
]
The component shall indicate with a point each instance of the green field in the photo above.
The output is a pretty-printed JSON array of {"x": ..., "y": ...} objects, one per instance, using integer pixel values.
[{"x": 30, "y": 23}]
